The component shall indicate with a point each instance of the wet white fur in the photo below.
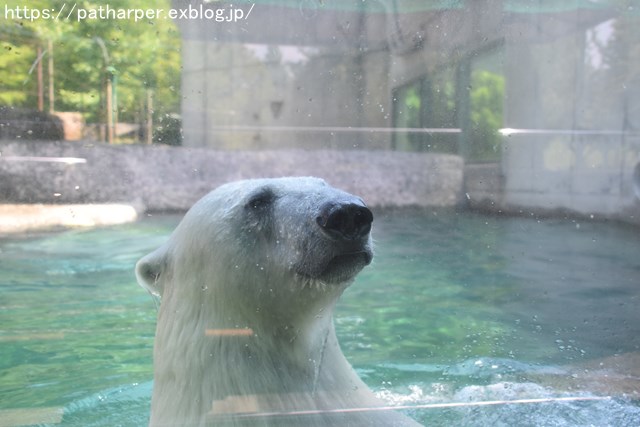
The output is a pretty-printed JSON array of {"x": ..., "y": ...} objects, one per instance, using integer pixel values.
[{"x": 219, "y": 272}]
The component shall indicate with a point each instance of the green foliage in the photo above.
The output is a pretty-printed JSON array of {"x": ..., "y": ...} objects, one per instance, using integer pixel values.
[
  {"x": 431, "y": 103},
  {"x": 408, "y": 109},
  {"x": 427, "y": 103},
  {"x": 15, "y": 87},
  {"x": 487, "y": 95},
  {"x": 144, "y": 54}
]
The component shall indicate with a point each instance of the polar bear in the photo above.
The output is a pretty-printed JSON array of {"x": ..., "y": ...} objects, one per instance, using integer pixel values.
[{"x": 248, "y": 281}]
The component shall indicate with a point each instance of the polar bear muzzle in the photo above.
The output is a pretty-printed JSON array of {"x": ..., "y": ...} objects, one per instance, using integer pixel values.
[
  {"x": 345, "y": 226},
  {"x": 346, "y": 221}
]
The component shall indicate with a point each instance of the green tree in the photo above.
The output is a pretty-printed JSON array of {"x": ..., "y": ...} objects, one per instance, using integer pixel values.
[{"x": 143, "y": 55}]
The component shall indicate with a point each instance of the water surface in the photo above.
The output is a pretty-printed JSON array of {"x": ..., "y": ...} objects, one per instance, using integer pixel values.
[{"x": 456, "y": 307}]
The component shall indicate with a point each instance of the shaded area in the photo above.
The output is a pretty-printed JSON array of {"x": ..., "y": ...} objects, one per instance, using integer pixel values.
[{"x": 23, "y": 124}]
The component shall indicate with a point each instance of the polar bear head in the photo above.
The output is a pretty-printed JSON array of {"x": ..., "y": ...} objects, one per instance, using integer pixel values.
[{"x": 278, "y": 247}]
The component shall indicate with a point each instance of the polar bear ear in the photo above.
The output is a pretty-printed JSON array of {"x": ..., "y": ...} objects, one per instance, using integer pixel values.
[{"x": 150, "y": 271}]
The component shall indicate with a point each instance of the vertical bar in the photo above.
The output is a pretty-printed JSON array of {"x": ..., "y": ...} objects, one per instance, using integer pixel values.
[
  {"x": 463, "y": 107},
  {"x": 51, "y": 91},
  {"x": 149, "y": 116},
  {"x": 109, "y": 111},
  {"x": 40, "y": 79}
]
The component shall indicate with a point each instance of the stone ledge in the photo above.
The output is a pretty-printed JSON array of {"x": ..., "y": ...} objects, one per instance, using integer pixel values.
[
  {"x": 161, "y": 178},
  {"x": 38, "y": 217}
]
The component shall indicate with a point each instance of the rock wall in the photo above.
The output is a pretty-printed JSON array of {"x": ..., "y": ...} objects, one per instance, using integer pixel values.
[{"x": 160, "y": 178}]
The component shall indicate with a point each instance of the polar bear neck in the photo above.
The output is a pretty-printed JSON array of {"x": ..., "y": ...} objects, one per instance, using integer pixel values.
[{"x": 217, "y": 348}]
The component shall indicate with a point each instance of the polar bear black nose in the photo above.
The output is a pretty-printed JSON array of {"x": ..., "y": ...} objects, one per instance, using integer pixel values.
[{"x": 345, "y": 220}]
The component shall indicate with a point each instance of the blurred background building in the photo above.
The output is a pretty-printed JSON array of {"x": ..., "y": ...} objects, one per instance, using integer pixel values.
[{"x": 546, "y": 91}]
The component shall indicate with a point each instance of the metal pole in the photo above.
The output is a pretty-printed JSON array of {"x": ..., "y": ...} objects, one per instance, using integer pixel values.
[
  {"x": 149, "y": 116},
  {"x": 51, "y": 92},
  {"x": 109, "y": 111},
  {"x": 40, "y": 80}
]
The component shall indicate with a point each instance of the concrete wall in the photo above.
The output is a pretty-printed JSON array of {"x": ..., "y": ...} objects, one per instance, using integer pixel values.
[
  {"x": 573, "y": 110},
  {"x": 280, "y": 78},
  {"x": 572, "y": 89},
  {"x": 590, "y": 175},
  {"x": 160, "y": 178}
]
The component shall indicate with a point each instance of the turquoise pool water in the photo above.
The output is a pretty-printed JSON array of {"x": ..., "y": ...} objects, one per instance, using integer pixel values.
[{"x": 457, "y": 307}]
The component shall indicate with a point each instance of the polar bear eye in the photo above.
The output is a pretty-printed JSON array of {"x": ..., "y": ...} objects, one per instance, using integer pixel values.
[
  {"x": 257, "y": 210},
  {"x": 261, "y": 199}
]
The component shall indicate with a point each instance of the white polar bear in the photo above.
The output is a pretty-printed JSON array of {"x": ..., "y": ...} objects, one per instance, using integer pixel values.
[{"x": 248, "y": 282}]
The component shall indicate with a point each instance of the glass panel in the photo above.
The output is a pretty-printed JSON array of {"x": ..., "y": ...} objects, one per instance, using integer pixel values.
[{"x": 492, "y": 275}]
